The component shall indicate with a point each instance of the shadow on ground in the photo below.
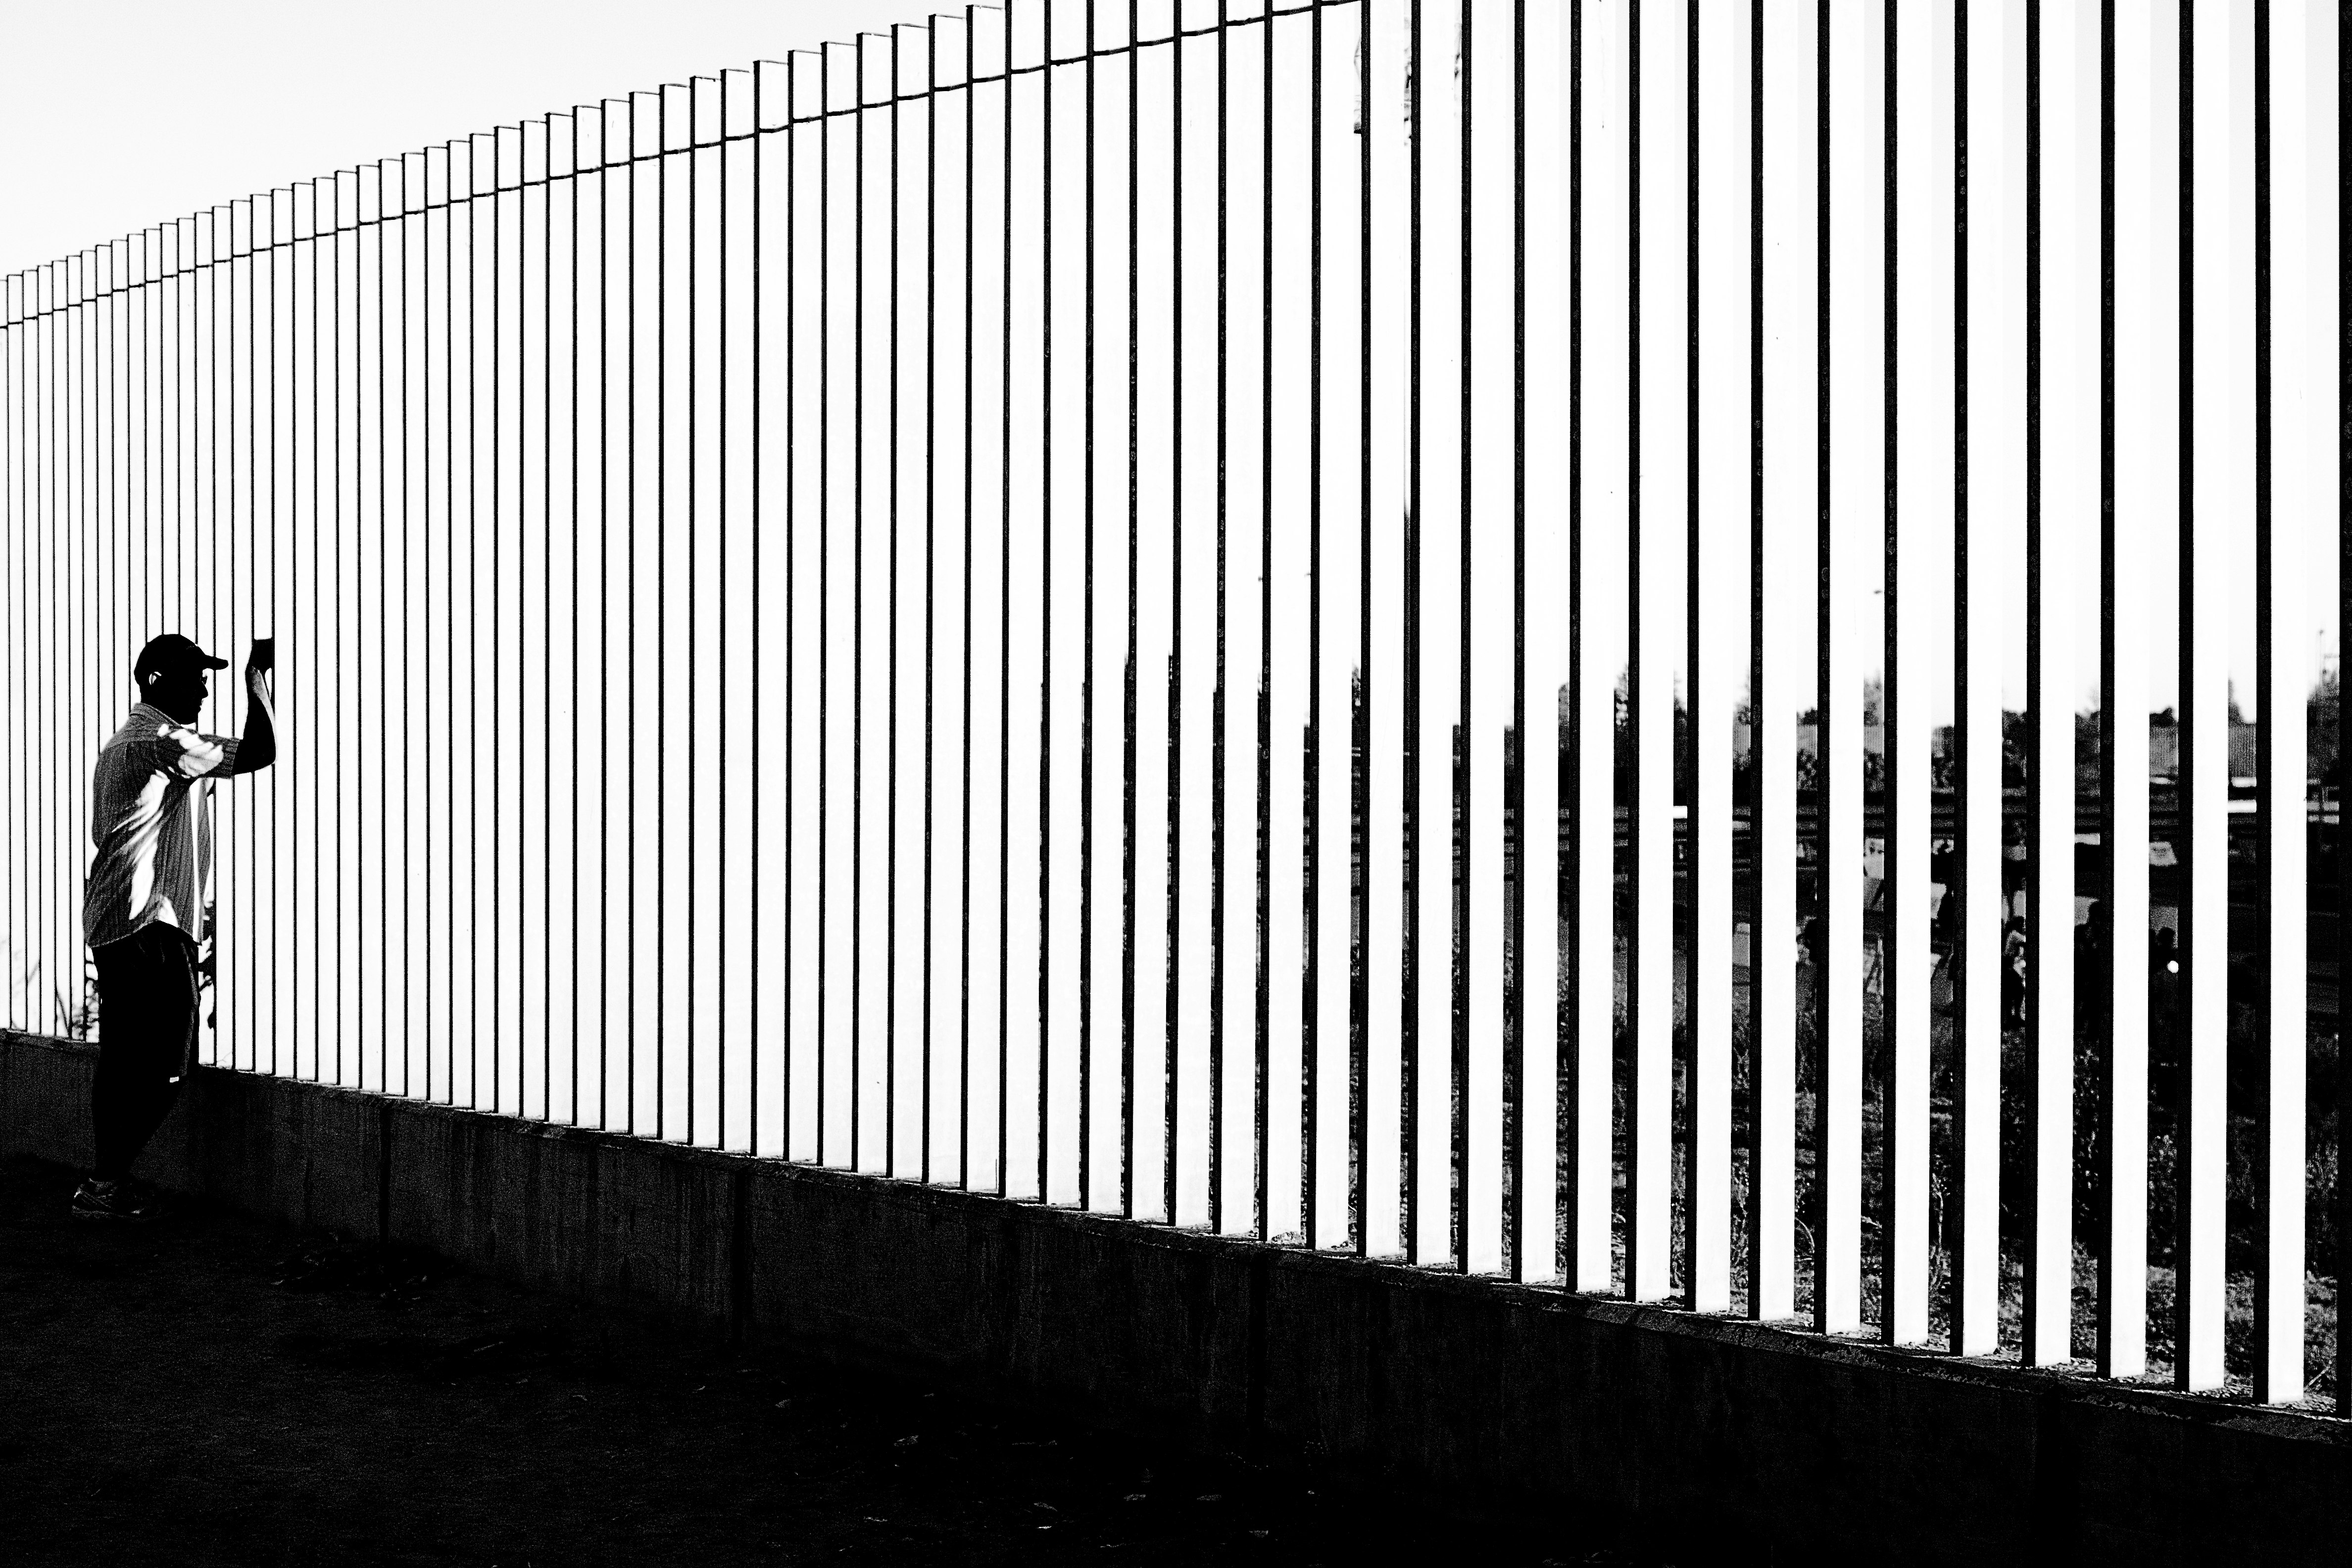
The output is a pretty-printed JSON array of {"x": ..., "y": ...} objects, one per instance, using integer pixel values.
[{"x": 213, "y": 1390}]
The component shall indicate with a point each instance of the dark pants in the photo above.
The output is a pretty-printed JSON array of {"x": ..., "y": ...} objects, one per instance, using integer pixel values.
[{"x": 146, "y": 1039}]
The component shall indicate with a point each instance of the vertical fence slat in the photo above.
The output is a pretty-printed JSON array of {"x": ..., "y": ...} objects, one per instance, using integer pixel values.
[
  {"x": 1193, "y": 394},
  {"x": 579, "y": 328},
  {"x": 1152, "y": 285},
  {"x": 1332, "y": 36},
  {"x": 1064, "y": 620},
  {"x": 2291, "y": 319},
  {"x": 1718, "y": 641},
  {"x": 1852, "y": 279},
  {"x": 2220, "y": 438},
  {"x": 1787, "y": 86},
  {"x": 1489, "y": 209},
  {"x": 1599, "y": 567},
  {"x": 2132, "y": 370},
  {"x": 990, "y": 996},
  {"x": 1658, "y": 503},
  {"x": 1918, "y": 980},
  {"x": 1242, "y": 437},
  {"x": 1108, "y": 436},
  {"x": 1387, "y": 227},
  {"x": 1544, "y": 498},
  {"x": 1991, "y": 472}
]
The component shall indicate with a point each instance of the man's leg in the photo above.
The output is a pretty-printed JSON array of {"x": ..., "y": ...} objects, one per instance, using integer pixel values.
[{"x": 147, "y": 1007}]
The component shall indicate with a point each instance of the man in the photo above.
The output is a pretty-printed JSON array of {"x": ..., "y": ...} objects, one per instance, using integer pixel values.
[{"x": 150, "y": 884}]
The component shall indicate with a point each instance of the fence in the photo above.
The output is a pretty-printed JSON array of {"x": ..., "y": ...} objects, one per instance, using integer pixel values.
[{"x": 960, "y": 606}]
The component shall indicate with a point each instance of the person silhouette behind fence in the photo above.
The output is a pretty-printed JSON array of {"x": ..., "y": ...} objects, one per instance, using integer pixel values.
[
  {"x": 2012, "y": 974},
  {"x": 144, "y": 903}
]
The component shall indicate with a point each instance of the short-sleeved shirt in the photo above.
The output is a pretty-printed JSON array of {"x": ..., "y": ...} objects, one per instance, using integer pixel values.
[{"x": 151, "y": 819}]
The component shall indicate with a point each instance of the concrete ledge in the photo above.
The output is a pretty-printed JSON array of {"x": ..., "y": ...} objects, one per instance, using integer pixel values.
[{"x": 1698, "y": 1436}]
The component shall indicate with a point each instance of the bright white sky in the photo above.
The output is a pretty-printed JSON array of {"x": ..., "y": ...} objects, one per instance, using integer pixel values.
[{"x": 119, "y": 116}]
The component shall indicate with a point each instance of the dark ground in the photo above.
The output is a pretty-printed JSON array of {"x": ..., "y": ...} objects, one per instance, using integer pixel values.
[{"x": 210, "y": 1389}]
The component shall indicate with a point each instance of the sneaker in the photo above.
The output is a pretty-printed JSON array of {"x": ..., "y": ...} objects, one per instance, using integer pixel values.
[{"x": 100, "y": 1200}]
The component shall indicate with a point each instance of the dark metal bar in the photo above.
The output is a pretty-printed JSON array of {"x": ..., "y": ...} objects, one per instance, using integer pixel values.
[
  {"x": 792, "y": 596},
  {"x": 1217, "y": 696},
  {"x": 1957, "y": 1206},
  {"x": 1514, "y": 928},
  {"x": 576, "y": 607},
  {"x": 661, "y": 578},
  {"x": 1360, "y": 769},
  {"x": 759, "y": 142},
  {"x": 693, "y": 538},
  {"x": 825, "y": 564},
  {"x": 2112, "y": 782},
  {"x": 2044, "y": 1297},
  {"x": 1175, "y": 677},
  {"x": 1311, "y": 784},
  {"x": 1045, "y": 619},
  {"x": 1263, "y": 1041},
  {"x": 1890, "y": 1116},
  {"x": 891, "y": 963},
  {"x": 1409, "y": 1047},
  {"x": 1004, "y": 669},
  {"x": 1087, "y": 687},
  {"x": 2343, "y": 1085},
  {"x": 1127, "y": 980},
  {"x": 2190, "y": 1280},
  {"x": 930, "y": 532},
  {"x": 963, "y": 1076},
  {"x": 1694, "y": 1231},
  {"x": 1465, "y": 738},
  {"x": 1635, "y": 1110},
  {"x": 1816, "y": 1203},
  {"x": 2275, "y": 795},
  {"x": 858, "y": 630}
]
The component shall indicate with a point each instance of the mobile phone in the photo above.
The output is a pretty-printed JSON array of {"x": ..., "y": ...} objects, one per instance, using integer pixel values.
[{"x": 264, "y": 653}]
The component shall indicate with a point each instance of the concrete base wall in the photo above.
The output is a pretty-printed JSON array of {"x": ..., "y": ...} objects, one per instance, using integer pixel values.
[{"x": 1695, "y": 1434}]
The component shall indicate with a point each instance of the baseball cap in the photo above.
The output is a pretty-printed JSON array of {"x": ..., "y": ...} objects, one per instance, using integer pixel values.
[{"x": 172, "y": 651}]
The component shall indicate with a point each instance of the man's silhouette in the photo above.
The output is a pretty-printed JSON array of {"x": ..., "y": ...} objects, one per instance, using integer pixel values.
[{"x": 150, "y": 885}]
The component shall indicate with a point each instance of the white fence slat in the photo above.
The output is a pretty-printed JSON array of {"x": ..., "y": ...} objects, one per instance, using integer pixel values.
[
  {"x": 1659, "y": 502},
  {"x": 1057, "y": 101},
  {"x": 1790, "y": 414},
  {"x": 1195, "y": 587},
  {"x": 1995, "y": 480},
  {"x": 1025, "y": 607},
  {"x": 1388, "y": 227},
  {"x": 802, "y": 535},
  {"x": 1543, "y": 586},
  {"x": 1720, "y": 634},
  {"x": 1108, "y": 997},
  {"x": 2145, "y": 365},
  {"x": 1340, "y": 413},
  {"x": 1439, "y": 457},
  {"x": 2301, "y": 307},
  {"x": 1490, "y": 205},
  {"x": 1853, "y": 512},
  {"x": 993, "y": 989},
  {"x": 1603, "y": 397},
  {"x": 1919, "y": 677},
  {"x": 1155, "y": 283},
  {"x": 2221, "y": 510},
  {"x": 1289, "y": 421}
]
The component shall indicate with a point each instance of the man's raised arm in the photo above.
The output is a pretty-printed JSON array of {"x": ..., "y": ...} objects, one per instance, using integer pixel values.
[{"x": 258, "y": 746}]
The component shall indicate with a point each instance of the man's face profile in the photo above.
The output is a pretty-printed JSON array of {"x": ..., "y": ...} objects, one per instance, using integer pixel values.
[{"x": 179, "y": 690}]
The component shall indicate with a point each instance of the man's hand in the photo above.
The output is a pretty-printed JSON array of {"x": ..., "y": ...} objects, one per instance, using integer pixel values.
[{"x": 258, "y": 749}]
